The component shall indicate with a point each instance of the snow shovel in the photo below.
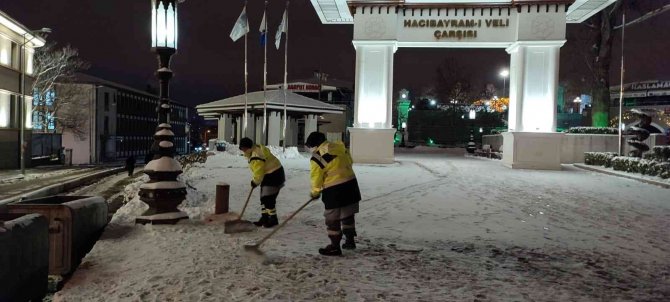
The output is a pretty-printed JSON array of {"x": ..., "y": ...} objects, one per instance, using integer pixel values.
[
  {"x": 239, "y": 225},
  {"x": 254, "y": 248}
]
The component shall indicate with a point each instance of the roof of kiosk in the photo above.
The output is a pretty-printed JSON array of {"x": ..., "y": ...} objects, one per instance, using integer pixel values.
[
  {"x": 275, "y": 101},
  {"x": 337, "y": 11}
]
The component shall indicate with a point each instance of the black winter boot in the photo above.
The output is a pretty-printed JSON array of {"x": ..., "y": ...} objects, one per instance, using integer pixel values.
[
  {"x": 333, "y": 249},
  {"x": 263, "y": 220},
  {"x": 272, "y": 218},
  {"x": 349, "y": 242}
]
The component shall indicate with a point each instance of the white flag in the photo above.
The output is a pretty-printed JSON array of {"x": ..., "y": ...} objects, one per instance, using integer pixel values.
[
  {"x": 283, "y": 27},
  {"x": 241, "y": 27}
]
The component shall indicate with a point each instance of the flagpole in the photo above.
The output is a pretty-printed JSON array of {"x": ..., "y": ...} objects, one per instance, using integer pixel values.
[
  {"x": 285, "y": 72},
  {"x": 265, "y": 75},
  {"x": 623, "y": 31},
  {"x": 246, "y": 84}
]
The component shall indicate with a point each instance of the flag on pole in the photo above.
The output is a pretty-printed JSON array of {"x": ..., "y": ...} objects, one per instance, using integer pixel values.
[
  {"x": 283, "y": 27},
  {"x": 263, "y": 30},
  {"x": 241, "y": 27}
]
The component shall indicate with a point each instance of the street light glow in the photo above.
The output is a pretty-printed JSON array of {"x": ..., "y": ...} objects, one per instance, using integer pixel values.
[
  {"x": 504, "y": 73},
  {"x": 163, "y": 23},
  {"x": 433, "y": 102}
]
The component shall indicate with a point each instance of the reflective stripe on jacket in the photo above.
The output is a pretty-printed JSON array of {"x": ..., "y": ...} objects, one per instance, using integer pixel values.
[
  {"x": 261, "y": 162},
  {"x": 330, "y": 165}
]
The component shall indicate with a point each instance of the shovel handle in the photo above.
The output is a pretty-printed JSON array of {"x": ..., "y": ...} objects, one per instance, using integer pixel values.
[
  {"x": 284, "y": 222},
  {"x": 246, "y": 202}
]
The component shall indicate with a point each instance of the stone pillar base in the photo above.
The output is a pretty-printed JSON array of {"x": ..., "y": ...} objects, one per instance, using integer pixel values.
[
  {"x": 164, "y": 218},
  {"x": 532, "y": 150},
  {"x": 372, "y": 146}
]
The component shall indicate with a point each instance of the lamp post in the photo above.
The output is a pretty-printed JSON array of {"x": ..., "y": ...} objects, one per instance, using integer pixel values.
[
  {"x": 578, "y": 101},
  {"x": 22, "y": 103},
  {"x": 504, "y": 74},
  {"x": 163, "y": 193}
]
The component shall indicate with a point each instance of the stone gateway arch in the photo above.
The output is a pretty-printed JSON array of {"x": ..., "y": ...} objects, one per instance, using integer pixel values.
[{"x": 531, "y": 31}]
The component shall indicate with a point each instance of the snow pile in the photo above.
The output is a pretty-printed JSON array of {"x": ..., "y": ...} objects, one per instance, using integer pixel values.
[
  {"x": 133, "y": 206},
  {"x": 277, "y": 151},
  {"x": 435, "y": 226},
  {"x": 289, "y": 153}
]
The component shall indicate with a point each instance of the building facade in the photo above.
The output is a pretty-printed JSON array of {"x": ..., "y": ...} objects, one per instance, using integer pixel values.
[
  {"x": 330, "y": 91},
  {"x": 303, "y": 116},
  {"x": 650, "y": 96},
  {"x": 120, "y": 121},
  {"x": 13, "y": 36}
]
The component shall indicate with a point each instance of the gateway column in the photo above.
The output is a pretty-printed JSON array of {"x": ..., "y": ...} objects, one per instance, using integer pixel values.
[
  {"x": 225, "y": 130},
  {"x": 532, "y": 142},
  {"x": 274, "y": 128},
  {"x": 310, "y": 125},
  {"x": 372, "y": 135}
]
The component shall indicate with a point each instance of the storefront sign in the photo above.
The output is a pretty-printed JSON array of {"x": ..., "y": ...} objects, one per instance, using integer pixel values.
[
  {"x": 303, "y": 87},
  {"x": 651, "y": 85},
  {"x": 456, "y": 28}
]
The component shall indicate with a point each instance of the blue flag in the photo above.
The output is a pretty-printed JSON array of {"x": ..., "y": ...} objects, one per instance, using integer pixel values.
[{"x": 263, "y": 30}]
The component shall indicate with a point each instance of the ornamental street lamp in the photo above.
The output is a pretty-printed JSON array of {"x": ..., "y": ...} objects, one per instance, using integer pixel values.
[
  {"x": 22, "y": 106},
  {"x": 163, "y": 193}
]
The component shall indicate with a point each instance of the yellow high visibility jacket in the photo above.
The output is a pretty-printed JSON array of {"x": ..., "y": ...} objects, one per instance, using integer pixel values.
[
  {"x": 330, "y": 165},
  {"x": 261, "y": 162}
]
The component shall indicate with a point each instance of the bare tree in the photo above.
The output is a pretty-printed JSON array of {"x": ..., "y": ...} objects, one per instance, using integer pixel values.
[
  {"x": 71, "y": 113},
  {"x": 489, "y": 92},
  {"x": 452, "y": 83},
  {"x": 54, "y": 68}
]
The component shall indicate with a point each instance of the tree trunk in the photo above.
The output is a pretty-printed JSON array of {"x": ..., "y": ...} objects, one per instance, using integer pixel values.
[{"x": 601, "y": 66}]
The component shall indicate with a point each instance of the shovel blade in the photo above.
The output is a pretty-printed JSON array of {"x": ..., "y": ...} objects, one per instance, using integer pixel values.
[
  {"x": 238, "y": 226},
  {"x": 254, "y": 254}
]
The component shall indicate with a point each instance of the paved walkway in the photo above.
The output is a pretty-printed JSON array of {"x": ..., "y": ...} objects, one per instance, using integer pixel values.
[{"x": 434, "y": 226}]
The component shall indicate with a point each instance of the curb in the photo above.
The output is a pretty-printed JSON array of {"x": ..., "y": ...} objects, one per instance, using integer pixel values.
[
  {"x": 11, "y": 178},
  {"x": 616, "y": 173},
  {"x": 62, "y": 187}
]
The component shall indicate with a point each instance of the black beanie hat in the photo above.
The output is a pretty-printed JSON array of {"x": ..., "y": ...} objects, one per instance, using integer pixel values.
[
  {"x": 246, "y": 143},
  {"x": 315, "y": 139}
]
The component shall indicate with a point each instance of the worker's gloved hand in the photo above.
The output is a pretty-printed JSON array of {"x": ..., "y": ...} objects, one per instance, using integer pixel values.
[
  {"x": 315, "y": 195},
  {"x": 253, "y": 184}
]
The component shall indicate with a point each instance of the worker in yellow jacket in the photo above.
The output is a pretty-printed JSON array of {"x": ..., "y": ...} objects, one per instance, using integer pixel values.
[
  {"x": 333, "y": 179},
  {"x": 266, "y": 171}
]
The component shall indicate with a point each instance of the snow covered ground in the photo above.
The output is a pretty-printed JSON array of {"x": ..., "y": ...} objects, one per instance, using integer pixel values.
[{"x": 434, "y": 226}]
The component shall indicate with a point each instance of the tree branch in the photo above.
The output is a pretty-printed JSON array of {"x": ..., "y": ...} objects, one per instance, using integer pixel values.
[
  {"x": 646, "y": 16},
  {"x": 589, "y": 25}
]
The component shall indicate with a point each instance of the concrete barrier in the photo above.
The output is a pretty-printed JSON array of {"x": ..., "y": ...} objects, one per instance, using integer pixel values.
[
  {"x": 75, "y": 222},
  {"x": 24, "y": 257},
  {"x": 573, "y": 145},
  {"x": 493, "y": 140}
]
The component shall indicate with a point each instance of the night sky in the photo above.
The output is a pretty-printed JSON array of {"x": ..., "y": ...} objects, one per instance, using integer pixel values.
[{"x": 114, "y": 36}]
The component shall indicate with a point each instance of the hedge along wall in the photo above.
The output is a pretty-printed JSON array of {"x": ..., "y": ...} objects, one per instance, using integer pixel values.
[{"x": 658, "y": 166}]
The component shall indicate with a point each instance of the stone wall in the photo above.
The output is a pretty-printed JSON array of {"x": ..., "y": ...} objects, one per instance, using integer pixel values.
[{"x": 574, "y": 145}]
